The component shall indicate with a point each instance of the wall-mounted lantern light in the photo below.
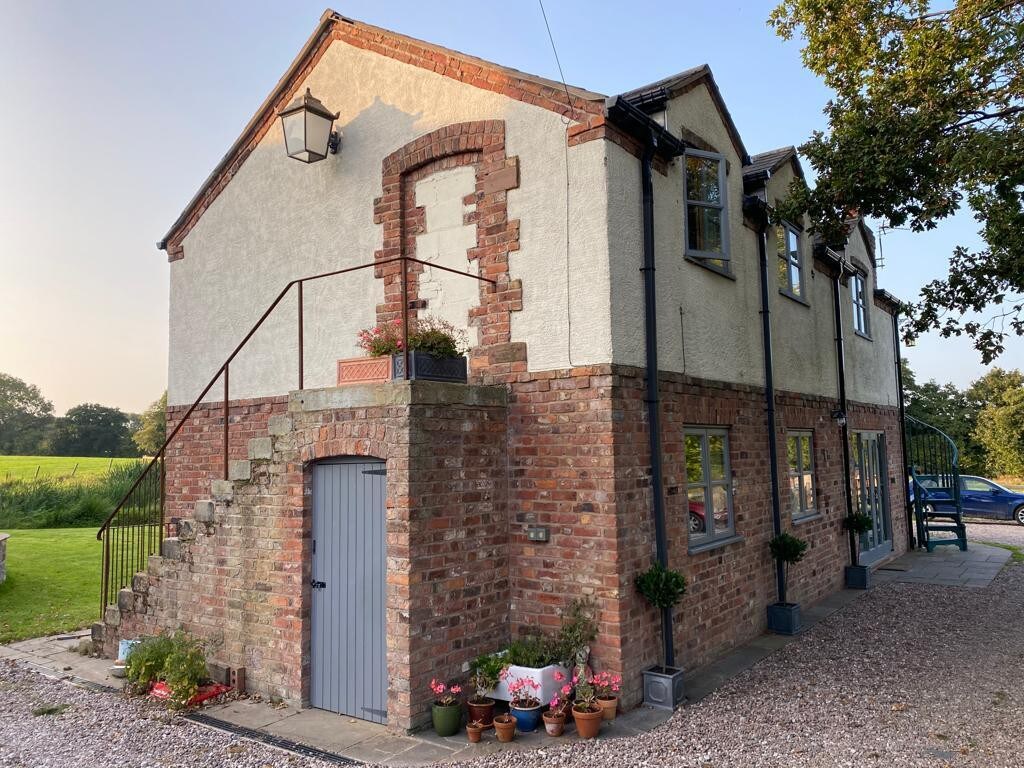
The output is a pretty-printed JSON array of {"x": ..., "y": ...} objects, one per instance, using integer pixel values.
[
  {"x": 839, "y": 417},
  {"x": 307, "y": 124}
]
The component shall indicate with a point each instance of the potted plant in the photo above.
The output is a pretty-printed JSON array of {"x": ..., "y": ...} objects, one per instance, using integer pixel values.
[
  {"x": 784, "y": 617},
  {"x": 446, "y": 712},
  {"x": 857, "y": 576},
  {"x": 554, "y": 718},
  {"x": 663, "y": 588},
  {"x": 435, "y": 352},
  {"x": 172, "y": 668},
  {"x": 485, "y": 673},
  {"x": 523, "y": 702},
  {"x": 505, "y": 727},
  {"x": 474, "y": 730},
  {"x": 585, "y": 710},
  {"x": 607, "y": 686},
  {"x": 535, "y": 658}
]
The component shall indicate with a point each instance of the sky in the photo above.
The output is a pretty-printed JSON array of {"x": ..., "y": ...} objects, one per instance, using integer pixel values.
[{"x": 115, "y": 112}]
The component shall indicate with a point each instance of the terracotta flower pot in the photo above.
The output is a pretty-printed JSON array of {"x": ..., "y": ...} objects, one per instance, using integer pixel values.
[
  {"x": 505, "y": 727},
  {"x": 474, "y": 733},
  {"x": 609, "y": 707},
  {"x": 554, "y": 723},
  {"x": 482, "y": 712},
  {"x": 588, "y": 722}
]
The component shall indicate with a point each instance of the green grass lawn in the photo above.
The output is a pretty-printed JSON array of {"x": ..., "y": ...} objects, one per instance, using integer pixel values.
[
  {"x": 24, "y": 467},
  {"x": 53, "y": 582}
]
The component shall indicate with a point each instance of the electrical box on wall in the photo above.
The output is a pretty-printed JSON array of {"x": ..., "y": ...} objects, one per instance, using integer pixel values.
[{"x": 538, "y": 533}]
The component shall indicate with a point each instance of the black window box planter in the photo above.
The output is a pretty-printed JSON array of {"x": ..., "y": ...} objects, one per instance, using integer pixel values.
[
  {"x": 426, "y": 367},
  {"x": 784, "y": 618}
]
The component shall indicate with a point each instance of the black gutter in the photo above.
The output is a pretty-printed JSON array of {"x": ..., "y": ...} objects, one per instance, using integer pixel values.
[
  {"x": 837, "y": 314},
  {"x": 911, "y": 542},
  {"x": 756, "y": 210},
  {"x": 656, "y": 141}
]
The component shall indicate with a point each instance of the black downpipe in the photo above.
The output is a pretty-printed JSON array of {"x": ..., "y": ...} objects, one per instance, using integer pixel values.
[
  {"x": 757, "y": 210},
  {"x": 837, "y": 313},
  {"x": 651, "y": 396},
  {"x": 911, "y": 542}
]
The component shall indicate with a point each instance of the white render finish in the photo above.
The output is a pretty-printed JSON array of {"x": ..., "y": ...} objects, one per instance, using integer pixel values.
[
  {"x": 278, "y": 220},
  {"x": 445, "y": 242},
  {"x": 579, "y": 256}
]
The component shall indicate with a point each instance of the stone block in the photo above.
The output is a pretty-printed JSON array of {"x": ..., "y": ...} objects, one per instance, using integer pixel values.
[
  {"x": 219, "y": 673},
  {"x": 140, "y": 583},
  {"x": 98, "y": 630},
  {"x": 222, "y": 490},
  {"x": 186, "y": 531},
  {"x": 112, "y": 617},
  {"x": 171, "y": 548},
  {"x": 279, "y": 424},
  {"x": 261, "y": 448},
  {"x": 240, "y": 469},
  {"x": 203, "y": 511},
  {"x": 125, "y": 600}
]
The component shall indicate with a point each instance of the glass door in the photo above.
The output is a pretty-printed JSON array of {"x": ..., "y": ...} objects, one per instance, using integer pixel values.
[{"x": 871, "y": 495}]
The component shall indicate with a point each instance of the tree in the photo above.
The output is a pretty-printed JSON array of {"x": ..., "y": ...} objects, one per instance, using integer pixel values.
[
  {"x": 25, "y": 417},
  {"x": 94, "y": 430},
  {"x": 152, "y": 432},
  {"x": 928, "y": 115},
  {"x": 1000, "y": 427},
  {"x": 947, "y": 408}
]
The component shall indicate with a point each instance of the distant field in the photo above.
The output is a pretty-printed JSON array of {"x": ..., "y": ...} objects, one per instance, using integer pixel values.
[{"x": 24, "y": 467}]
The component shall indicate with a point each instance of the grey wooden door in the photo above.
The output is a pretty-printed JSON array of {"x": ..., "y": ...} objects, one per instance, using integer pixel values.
[
  {"x": 869, "y": 475},
  {"x": 349, "y": 666}
]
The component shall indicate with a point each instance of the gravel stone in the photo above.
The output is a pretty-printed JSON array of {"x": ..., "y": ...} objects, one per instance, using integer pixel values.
[
  {"x": 998, "y": 533},
  {"x": 907, "y": 675}
]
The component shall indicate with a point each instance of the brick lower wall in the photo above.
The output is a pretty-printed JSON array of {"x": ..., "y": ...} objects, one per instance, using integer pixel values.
[{"x": 465, "y": 479}]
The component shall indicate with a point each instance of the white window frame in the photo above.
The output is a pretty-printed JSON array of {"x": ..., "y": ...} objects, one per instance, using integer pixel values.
[
  {"x": 785, "y": 257},
  {"x": 707, "y": 256},
  {"x": 710, "y": 535},
  {"x": 859, "y": 302},
  {"x": 807, "y": 505}
]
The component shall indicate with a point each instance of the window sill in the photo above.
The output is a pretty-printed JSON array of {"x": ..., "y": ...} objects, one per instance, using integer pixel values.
[
  {"x": 794, "y": 297},
  {"x": 807, "y": 518},
  {"x": 700, "y": 262},
  {"x": 707, "y": 546},
  {"x": 862, "y": 335}
]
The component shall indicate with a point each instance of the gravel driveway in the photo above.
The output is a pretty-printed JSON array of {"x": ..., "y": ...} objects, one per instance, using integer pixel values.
[
  {"x": 1002, "y": 533},
  {"x": 909, "y": 675}
]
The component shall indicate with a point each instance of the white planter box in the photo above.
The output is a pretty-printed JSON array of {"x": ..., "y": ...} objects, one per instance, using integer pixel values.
[{"x": 543, "y": 676}]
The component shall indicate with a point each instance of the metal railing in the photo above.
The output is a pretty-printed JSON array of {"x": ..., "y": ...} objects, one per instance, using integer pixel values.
[
  {"x": 933, "y": 463},
  {"x": 135, "y": 529}
]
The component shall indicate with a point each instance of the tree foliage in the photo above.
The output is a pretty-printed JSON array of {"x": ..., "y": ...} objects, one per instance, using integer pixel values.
[
  {"x": 152, "y": 432},
  {"x": 928, "y": 116},
  {"x": 94, "y": 430},
  {"x": 25, "y": 417},
  {"x": 1000, "y": 426}
]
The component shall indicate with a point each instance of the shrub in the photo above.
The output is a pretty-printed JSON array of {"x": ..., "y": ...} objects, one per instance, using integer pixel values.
[
  {"x": 579, "y": 628},
  {"x": 178, "y": 660},
  {"x": 485, "y": 671},
  {"x": 858, "y": 523},
  {"x": 65, "y": 502},
  {"x": 788, "y": 548},
  {"x": 531, "y": 651},
  {"x": 660, "y": 586}
]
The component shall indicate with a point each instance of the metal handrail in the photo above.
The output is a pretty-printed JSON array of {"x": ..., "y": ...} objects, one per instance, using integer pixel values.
[{"x": 224, "y": 370}]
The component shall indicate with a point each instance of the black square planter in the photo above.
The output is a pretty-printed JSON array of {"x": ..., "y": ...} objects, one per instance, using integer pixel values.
[
  {"x": 858, "y": 577},
  {"x": 784, "y": 618},
  {"x": 429, "y": 368},
  {"x": 663, "y": 687}
]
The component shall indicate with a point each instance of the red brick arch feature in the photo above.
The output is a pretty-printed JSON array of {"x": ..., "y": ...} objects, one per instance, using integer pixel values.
[{"x": 481, "y": 145}]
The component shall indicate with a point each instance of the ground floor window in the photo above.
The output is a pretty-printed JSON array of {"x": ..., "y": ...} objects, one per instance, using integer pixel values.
[
  {"x": 708, "y": 485},
  {"x": 800, "y": 454}
]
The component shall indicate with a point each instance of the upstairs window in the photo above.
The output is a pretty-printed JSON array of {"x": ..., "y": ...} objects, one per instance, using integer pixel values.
[
  {"x": 791, "y": 268},
  {"x": 858, "y": 292},
  {"x": 707, "y": 233}
]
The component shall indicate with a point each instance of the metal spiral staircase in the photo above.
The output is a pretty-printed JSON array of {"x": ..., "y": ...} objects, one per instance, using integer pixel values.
[{"x": 933, "y": 465}]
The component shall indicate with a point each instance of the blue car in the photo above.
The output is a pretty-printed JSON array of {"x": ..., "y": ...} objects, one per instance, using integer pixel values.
[{"x": 979, "y": 497}]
